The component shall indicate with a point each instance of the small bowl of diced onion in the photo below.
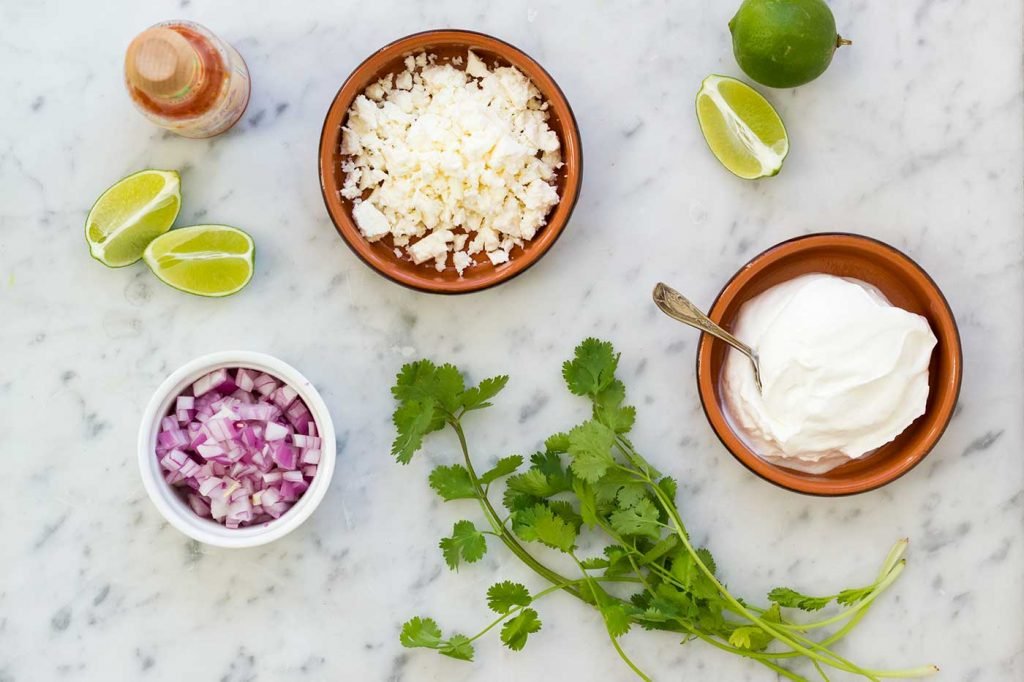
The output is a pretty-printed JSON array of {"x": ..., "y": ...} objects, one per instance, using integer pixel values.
[{"x": 236, "y": 449}]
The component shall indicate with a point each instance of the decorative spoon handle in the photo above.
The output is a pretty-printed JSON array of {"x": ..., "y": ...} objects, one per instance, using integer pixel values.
[{"x": 678, "y": 307}]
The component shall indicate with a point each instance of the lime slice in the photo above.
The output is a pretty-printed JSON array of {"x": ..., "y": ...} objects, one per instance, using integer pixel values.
[
  {"x": 743, "y": 130},
  {"x": 206, "y": 260},
  {"x": 132, "y": 213}
]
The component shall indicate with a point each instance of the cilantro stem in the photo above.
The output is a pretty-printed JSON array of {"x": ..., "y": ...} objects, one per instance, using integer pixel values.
[
  {"x": 793, "y": 641},
  {"x": 494, "y": 518},
  {"x": 601, "y": 607},
  {"x": 880, "y": 587},
  {"x": 505, "y": 616}
]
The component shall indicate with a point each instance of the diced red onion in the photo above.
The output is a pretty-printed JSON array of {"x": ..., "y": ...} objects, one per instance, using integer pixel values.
[
  {"x": 284, "y": 396},
  {"x": 310, "y": 442},
  {"x": 175, "y": 438},
  {"x": 259, "y": 411},
  {"x": 285, "y": 456},
  {"x": 265, "y": 384},
  {"x": 198, "y": 505},
  {"x": 274, "y": 431},
  {"x": 240, "y": 447},
  {"x": 189, "y": 469},
  {"x": 218, "y": 380},
  {"x": 298, "y": 415},
  {"x": 245, "y": 379}
]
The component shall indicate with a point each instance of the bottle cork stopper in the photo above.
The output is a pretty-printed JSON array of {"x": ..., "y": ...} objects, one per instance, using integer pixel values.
[{"x": 161, "y": 62}]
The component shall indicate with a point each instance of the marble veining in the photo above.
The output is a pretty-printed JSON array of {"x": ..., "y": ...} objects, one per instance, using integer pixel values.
[{"x": 913, "y": 136}]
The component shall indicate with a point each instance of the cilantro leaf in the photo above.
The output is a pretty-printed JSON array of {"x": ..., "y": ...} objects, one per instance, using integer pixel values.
[
  {"x": 686, "y": 572},
  {"x": 852, "y": 596},
  {"x": 594, "y": 563},
  {"x": 504, "y": 596},
  {"x": 590, "y": 447},
  {"x": 420, "y": 632},
  {"x": 676, "y": 602},
  {"x": 476, "y": 398},
  {"x": 630, "y": 495},
  {"x": 707, "y": 559},
  {"x": 414, "y": 381},
  {"x": 452, "y": 483},
  {"x": 504, "y": 467},
  {"x": 457, "y": 646},
  {"x": 540, "y": 523},
  {"x": 515, "y": 500},
  {"x": 532, "y": 482},
  {"x": 592, "y": 368},
  {"x": 516, "y": 630},
  {"x": 588, "y": 502},
  {"x": 544, "y": 478},
  {"x": 413, "y": 419},
  {"x": 640, "y": 519},
  {"x": 448, "y": 387},
  {"x": 616, "y": 619},
  {"x": 550, "y": 464},
  {"x": 669, "y": 486},
  {"x": 609, "y": 410},
  {"x": 557, "y": 444},
  {"x": 618, "y": 559},
  {"x": 565, "y": 511},
  {"x": 465, "y": 544},
  {"x": 751, "y": 638},
  {"x": 783, "y": 596},
  {"x": 423, "y": 381}
]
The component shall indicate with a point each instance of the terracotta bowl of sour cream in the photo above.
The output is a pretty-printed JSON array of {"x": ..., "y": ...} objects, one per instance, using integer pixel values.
[
  {"x": 906, "y": 285},
  {"x": 447, "y": 45}
]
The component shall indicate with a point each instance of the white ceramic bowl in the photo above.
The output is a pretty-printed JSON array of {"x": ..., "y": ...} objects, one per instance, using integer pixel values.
[{"x": 166, "y": 499}]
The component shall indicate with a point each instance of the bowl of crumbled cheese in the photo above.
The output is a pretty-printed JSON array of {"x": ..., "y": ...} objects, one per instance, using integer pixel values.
[{"x": 450, "y": 161}]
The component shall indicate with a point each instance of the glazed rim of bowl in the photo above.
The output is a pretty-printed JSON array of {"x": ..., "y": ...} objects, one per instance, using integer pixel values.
[
  {"x": 421, "y": 277},
  {"x": 167, "y": 500},
  {"x": 891, "y": 460}
]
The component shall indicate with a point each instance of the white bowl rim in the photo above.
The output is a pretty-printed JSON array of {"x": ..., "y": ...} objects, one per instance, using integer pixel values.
[{"x": 174, "y": 509}]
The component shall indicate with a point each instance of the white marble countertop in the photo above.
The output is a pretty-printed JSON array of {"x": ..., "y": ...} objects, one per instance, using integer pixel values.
[{"x": 914, "y": 136}]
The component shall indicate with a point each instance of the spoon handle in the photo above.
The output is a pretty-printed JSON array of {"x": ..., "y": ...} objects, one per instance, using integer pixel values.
[{"x": 678, "y": 307}]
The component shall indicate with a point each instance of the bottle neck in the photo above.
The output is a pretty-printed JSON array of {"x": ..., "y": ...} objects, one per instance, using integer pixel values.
[{"x": 163, "y": 65}]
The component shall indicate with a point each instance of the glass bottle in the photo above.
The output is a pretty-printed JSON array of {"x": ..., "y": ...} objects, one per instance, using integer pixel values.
[{"x": 184, "y": 78}]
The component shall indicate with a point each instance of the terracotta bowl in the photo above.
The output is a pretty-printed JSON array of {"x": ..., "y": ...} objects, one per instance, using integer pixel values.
[
  {"x": 380, "y": 255},
  {"x": 906, "y": 285}
]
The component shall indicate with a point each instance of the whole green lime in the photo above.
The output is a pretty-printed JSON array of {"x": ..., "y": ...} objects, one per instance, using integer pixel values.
[{"x": 784, "y": 43}]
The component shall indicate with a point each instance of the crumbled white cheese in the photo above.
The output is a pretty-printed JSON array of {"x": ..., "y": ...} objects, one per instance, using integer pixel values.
[
  {"x": 437, "y": 156},
  {"x": 433, "y": 246},
  {"x": 461, "y": 260},
  {"x": 372, "y": 223}
]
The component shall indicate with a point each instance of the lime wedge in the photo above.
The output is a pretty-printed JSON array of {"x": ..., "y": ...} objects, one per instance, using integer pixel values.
[
  {"x": 132, "y": 213},
  {"x": 743, "y": 130},
  {"x": 206, "y": 260}
]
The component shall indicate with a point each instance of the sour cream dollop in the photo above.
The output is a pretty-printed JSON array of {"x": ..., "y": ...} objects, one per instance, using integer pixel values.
[{"x": 844, "y": 372}]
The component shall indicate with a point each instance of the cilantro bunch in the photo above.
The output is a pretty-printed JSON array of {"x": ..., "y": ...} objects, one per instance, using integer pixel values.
[{"x": 591, "y": 479}]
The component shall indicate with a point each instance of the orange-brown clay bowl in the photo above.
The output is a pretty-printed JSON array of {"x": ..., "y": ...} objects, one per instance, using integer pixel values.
[
  {"x": 380, "y": 255},
  {"x": 906, "y": 285}
]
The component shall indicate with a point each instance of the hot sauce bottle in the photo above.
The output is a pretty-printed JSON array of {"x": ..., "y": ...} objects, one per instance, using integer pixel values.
[{"x": 184, "y": 78}]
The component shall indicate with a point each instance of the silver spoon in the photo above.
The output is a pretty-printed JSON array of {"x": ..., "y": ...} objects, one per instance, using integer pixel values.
[{"x": 676, "y": 306}]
